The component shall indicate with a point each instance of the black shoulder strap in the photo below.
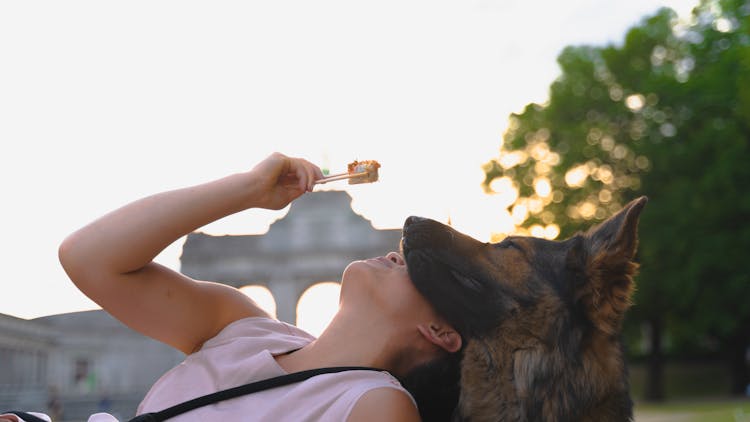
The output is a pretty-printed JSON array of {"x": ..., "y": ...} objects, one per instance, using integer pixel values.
[
  {"x": 242, "y": 390},
  {"x": 25, "y": 416}
]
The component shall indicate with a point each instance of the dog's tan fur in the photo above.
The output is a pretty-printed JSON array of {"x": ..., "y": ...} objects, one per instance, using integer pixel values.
[{"x": 548, "y": 314}]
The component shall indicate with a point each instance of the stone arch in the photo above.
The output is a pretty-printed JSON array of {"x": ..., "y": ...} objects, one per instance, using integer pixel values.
[
  {"x": 316, "y": 240},
  {"x": 316, "y": 306},
  {"x": 263, "y": 296}
]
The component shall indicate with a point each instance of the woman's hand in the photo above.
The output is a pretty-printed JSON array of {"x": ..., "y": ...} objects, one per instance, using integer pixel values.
[{"x": 278, "y": 180}]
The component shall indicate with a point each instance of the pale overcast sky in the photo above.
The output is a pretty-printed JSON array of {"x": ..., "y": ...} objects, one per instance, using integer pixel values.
[{"x": 103, "y": 102}]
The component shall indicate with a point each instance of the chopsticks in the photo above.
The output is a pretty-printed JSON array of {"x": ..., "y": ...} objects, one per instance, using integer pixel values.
[{"x": 340, "y": 176}]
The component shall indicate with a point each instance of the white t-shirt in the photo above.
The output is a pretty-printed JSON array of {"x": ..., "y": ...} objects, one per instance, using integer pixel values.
[{"x": 243, "y": 352}]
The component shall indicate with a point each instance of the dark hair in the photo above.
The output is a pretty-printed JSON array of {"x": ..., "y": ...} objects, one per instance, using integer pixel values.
[{"x": 435, "y": 387}]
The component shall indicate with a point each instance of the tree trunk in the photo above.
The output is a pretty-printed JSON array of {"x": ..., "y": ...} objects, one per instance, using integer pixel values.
[
  {"x": 655, "y": 376},
  {"x": 738, "y": 365}
]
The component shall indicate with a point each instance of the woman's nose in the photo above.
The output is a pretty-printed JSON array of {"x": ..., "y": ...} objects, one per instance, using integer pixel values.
[{"x": 396, "y": 257}]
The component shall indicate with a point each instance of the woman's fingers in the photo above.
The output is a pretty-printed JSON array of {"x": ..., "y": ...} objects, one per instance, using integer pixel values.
[
  {"x": 306, "y": 172},
  {"x": 317, "y": 174},
  {"x": 294, "y": 171},
  {"x": 313, "y": 173},
  {"x": 299, "y": 170}
]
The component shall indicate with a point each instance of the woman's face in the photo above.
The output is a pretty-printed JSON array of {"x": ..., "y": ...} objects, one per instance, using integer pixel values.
[{"x": 384, "y": 283}]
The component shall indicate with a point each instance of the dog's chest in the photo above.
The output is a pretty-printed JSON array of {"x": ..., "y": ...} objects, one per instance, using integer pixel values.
[{"x": 487, "y": 384}]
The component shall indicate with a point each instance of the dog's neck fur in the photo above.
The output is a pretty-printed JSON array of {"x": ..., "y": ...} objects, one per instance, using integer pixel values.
[
  {"x": 529, "y": 382},
  {"x": 541, "y": 319}
]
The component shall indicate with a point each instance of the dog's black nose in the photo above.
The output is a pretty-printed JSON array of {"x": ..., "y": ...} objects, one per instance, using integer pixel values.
[
  {"x": 413, "y": 219},
  {"x": 405, "y": 231}
]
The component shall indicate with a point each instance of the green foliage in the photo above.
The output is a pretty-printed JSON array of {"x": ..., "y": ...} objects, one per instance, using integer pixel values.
[
  {"x": 696, "y": 411},
  {"x": 666, "y": 114}
]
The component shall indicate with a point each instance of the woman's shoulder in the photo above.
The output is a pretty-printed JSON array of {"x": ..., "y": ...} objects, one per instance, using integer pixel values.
[
  {"x": 276, "y": 336},
  {"x": 390, "y": 404},
  {"x": 358, "y": 391}
]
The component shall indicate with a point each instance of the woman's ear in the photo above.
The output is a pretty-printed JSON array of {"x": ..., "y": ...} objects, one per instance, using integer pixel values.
[{"x": 441, "y": 335}]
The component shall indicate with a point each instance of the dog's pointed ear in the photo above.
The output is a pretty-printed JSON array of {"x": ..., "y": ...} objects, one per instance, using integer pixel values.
[
  {"x": 606, "y": 255},
  {"x": 441, "y": 335},
  {"x": 618, "y": 235}
]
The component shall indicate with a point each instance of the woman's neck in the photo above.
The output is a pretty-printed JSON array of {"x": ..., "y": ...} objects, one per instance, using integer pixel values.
[{"x": 353, "y": 341}]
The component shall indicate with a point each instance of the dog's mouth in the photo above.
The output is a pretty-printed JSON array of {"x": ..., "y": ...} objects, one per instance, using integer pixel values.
[{"x": 445, "y": 267}]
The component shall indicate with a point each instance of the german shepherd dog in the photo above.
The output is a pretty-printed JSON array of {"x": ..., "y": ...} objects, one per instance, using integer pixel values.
[{"x": 540, "y": 319}]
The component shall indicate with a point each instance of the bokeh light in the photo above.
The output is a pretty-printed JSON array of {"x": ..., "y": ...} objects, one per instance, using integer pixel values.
[
  {"x": 317, "y": 306},
  {"x": 262, "y": 296}
]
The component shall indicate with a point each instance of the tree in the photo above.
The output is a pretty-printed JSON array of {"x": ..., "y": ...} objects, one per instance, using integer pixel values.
[{"x": 666, "y": 114}]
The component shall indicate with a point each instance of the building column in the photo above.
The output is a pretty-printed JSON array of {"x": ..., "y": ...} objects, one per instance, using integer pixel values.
[{"x": 285, "y": 295}]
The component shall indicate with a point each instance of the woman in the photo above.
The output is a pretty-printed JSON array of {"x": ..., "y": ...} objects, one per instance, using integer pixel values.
[{"x": 382, "y": 321}]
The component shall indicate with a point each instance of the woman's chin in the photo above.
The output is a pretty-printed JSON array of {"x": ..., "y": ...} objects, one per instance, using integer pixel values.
[
  {"x": 358, "y": 276},
  {"x": 354, "y": 270}
]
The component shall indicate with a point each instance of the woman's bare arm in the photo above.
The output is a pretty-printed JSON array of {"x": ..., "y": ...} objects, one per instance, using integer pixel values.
[
  {"x": 110, "y": 260},
  {"x": 384, "y": 404}
]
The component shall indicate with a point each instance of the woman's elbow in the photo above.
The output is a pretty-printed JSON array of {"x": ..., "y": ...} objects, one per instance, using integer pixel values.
[{"x": 71, "y": 259}]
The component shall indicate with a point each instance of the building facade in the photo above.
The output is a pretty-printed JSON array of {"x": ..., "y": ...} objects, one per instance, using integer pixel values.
[{"x": 314, "y": 243}]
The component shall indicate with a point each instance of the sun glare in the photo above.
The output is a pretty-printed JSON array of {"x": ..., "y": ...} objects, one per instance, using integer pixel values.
[
  {"x": 576, "y": 176},
  {"x": 505, "y": 190},
  {"x": 543, "y": 187},
  {"x": 262, "y": 296},
  {"x": 511, "y": 159},
  {"x": 317, "y": 306},
  {"x": 635, "y": 102}
]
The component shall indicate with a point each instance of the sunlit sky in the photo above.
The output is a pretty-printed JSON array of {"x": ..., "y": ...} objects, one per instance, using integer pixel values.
[{"x": 105, "y": 102}]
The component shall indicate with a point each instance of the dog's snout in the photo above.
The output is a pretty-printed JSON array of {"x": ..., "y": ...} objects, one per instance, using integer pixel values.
[
  {"x": 413, "y": 219},
  {"x": 409, "y": 221}
]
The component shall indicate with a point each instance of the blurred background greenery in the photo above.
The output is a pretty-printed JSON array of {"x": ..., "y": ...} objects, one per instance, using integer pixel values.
[{"x": 665, "y": 114}]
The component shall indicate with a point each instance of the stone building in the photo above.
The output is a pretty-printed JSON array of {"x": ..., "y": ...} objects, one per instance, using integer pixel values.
[
  {"x": 88, "y": 361},
  {"x": 317, "y": 239},
  {"x": 25, "y": 348},
  {"x": 84, "y": 361}
]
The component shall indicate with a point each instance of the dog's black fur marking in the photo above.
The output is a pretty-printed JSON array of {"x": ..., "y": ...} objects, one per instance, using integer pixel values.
[{"x": 540, "y": 319}]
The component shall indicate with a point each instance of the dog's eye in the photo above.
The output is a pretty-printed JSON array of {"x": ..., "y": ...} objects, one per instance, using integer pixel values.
[{"x": 506, "y": 244}]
